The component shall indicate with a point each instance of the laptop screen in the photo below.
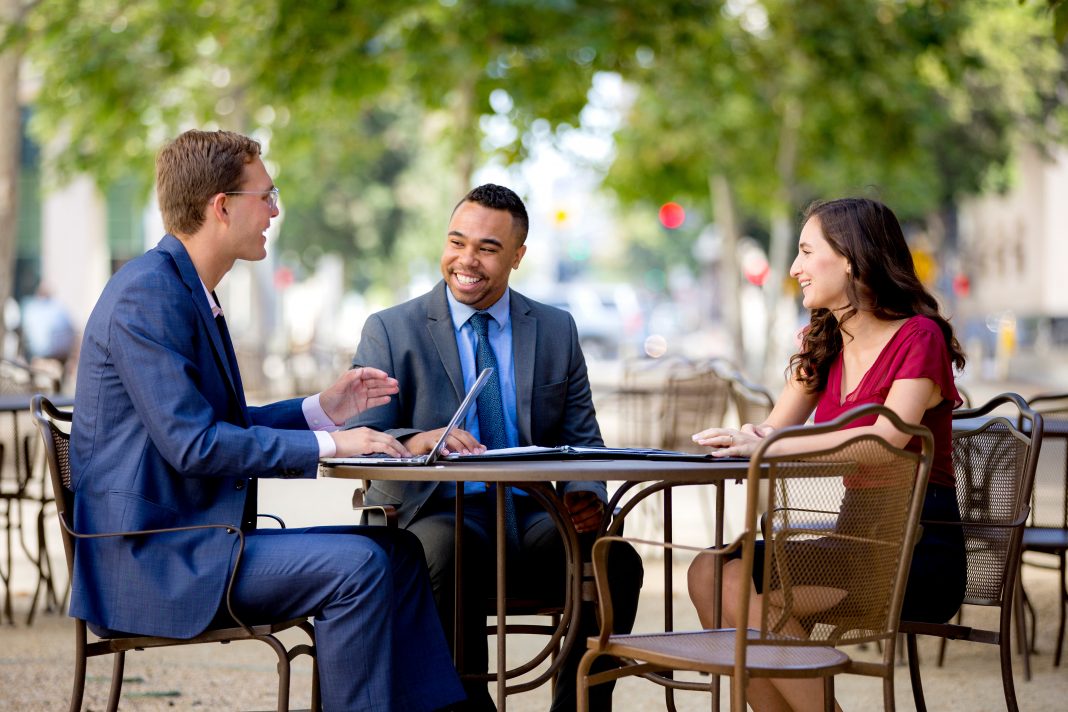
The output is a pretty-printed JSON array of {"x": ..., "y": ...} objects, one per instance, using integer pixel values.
[
  {"x": 460, "y": 414},
  {"x": 431, "y": 457}
]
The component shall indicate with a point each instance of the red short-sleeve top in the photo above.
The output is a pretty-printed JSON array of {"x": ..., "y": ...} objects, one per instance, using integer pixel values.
[{"x": 917, "y": 350}]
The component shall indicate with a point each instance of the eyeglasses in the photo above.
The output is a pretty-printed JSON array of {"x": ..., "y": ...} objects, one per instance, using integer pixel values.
[{"x": 270, "y": 196}]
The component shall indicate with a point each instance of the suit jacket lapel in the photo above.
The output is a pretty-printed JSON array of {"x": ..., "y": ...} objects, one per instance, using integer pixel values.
[
  {"x": 439, "y": 323},
  {"x": 524, "y": 345},
  {"x": 173, "y": 246}
]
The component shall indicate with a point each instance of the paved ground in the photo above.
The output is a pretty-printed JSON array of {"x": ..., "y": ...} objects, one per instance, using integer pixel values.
[{"x": 36, "y": 670}]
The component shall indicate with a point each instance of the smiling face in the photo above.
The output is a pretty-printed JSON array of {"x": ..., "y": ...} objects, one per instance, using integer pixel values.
[
  {"x": 481, "y": 248},
  {"x": 822, "y": 273},
  {"x": 250, "y": 214}
]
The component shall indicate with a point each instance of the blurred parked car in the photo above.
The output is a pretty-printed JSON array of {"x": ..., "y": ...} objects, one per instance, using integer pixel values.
[{"x": 608, "y": 317}]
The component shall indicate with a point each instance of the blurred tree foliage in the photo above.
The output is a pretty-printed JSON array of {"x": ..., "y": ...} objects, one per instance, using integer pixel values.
[
  {"x": 917, "y": 103},
  {"x": 374, "y": 111}
]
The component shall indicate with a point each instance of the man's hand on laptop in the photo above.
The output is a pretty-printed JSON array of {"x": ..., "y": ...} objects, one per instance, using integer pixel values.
[
  {"x": 586, "y": 510},
  {"x": 459, "y": 441},
  {"x": 364, "y": 441}
]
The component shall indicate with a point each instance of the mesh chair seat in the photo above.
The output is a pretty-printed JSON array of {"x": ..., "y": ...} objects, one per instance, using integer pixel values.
[{"x": 712, "y": 651}]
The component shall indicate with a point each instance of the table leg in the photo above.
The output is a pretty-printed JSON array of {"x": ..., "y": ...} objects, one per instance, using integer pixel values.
[
  {"x": 717, "y": 580},
  {"x": 502, "y": 579},
  {"x": 457, "y": 590}
]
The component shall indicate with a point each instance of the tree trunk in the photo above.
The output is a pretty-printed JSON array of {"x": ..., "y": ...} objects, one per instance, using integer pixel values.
[
  {"x": 781, "y": 233},
  {"x": 10, "y": 146},
  {"x": 723, "y": 208},
  {"x": 468, "y": 134}
]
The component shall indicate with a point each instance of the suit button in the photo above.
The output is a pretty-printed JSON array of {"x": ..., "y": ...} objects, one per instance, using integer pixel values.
[{"x": 239, "y": 485}]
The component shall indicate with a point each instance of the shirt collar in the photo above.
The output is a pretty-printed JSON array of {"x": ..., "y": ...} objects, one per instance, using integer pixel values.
[
  {"x": 460, "y": 313},
  {"x": 216, "y": 310}
]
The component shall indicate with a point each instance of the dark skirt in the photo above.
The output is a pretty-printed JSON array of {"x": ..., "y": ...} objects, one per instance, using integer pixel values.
[{"x": 939, "y": 571}]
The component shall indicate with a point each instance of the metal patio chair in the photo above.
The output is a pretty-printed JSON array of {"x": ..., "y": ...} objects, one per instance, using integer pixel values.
[
  {"x": 1046, "y": 533},
  {"x": 839, "y": 533},
  {"x": 53, "y": 425},
  {"x": 994, "y": 460}
]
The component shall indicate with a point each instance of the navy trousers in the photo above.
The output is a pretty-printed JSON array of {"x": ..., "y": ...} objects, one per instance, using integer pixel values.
[{"x": 380, "y": 645}]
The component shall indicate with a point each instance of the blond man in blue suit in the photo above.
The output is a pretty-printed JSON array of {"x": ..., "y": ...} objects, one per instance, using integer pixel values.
[{"x": 162, "y": 437}]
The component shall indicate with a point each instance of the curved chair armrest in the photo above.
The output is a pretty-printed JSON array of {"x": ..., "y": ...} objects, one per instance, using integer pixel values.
[
  {"x": 600, "y": 572},
  {"x": 388, "y": 510},
  {"x": 229, "y": 528},
  {"x": 276, "y": 518}
]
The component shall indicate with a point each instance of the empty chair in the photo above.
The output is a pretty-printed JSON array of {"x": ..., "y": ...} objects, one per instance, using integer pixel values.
[
  {"x": 839, "y": 533},
  {"x": 53, "y": 424},
  {"x": 1046, "y": 533},
  {"x": 752, "y": 402},
  {"x": 994, "y": 460}
]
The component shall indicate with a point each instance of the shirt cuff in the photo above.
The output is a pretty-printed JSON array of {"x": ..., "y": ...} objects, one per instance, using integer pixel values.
[
  {"x": 316, "y": 417},
  {"x": 327, "y": 446}
]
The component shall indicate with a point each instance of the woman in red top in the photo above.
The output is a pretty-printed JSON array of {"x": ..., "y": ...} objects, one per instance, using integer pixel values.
[{"x": 875, "y": 336}]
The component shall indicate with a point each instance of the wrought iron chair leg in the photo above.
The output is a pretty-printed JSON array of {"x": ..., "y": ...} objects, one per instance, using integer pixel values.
[
  {"x": 79, "y": 666},
  {"x": 116, "y": 681},
  {"x": 1030, "y": 609},
  {"x": 9, "y": 612},
  {"x": 914, "y": 673},
  {"x": 283, "y": 670},
  {"x": 1064, "y": 605},
  {"x": 1006, "y": 663},
  {"x": 1019, "y": 605},
  {"x": 582, "y": 690},
  {"x": 943, "y": 641}
]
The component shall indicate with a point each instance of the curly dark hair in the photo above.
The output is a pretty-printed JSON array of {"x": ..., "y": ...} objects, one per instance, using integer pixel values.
[
  {"x": 497, "y": 197},
  {"x": 882, "y": 281}
]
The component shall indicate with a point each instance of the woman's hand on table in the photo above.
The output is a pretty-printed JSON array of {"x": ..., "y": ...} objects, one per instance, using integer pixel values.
[{"x": 733, "y": 442}]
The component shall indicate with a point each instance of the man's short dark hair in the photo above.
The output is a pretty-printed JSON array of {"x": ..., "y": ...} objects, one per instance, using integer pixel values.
[{"x": 497, "y": 197}]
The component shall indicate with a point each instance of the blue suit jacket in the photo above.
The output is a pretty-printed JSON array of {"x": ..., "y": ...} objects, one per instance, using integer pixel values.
[
  {"x": 162, "y": 438},
  {"x": 415, "y": 342}
]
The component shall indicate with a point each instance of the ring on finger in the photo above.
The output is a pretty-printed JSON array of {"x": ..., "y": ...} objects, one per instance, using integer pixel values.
[{"x": 731, "y": 442}]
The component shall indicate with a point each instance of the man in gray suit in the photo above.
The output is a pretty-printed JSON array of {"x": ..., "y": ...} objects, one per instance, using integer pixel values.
[{"x": 435, "y": 346}]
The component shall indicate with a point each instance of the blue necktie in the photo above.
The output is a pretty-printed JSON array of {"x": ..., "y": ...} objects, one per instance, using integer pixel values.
[{"x": 491, "y": 415}]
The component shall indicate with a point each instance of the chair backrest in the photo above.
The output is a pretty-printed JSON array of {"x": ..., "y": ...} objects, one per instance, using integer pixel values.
[
  {"x": 20, "y": 378},
  {"x": 752, "y": 402},
  {"x": 695, "y": 397},
  {"x": 995, "y": 453},
  {"x": 56, "y": 441},
  {"x": 839, "y": 531},
  {"x": 1049, "y": 503}
]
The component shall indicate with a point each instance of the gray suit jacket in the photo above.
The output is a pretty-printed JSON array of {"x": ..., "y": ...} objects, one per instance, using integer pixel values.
[{"x": 415, "y": 343}]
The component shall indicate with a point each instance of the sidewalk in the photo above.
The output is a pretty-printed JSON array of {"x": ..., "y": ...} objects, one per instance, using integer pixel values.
[{"x": 36, "y": 667}]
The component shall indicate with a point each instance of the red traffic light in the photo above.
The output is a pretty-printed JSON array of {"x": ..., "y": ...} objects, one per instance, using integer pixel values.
[{"x": 672, "y": 215}]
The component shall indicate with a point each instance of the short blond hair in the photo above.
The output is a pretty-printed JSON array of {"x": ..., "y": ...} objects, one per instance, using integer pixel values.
[{"x": 193, "y": 168}]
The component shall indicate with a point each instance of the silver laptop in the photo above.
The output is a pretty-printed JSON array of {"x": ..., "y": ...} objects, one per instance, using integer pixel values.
[{"x": 431, "y": 457}]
